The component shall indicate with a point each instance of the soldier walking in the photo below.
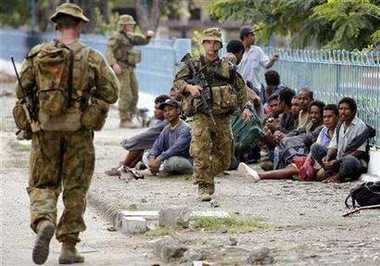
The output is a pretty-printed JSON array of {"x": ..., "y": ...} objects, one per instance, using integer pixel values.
[
  {"x": 123, "y": 57},
  {"x": 211, "y": 144},
  {"x": 73, "y": 87}
]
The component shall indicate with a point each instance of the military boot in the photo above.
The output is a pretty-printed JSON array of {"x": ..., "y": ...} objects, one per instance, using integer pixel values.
[
  {"x": 69, "y": 254},
  {"x": 45, "y": 231},
  {"x": 204, "y": 192},
  {"x": 211, "y": 188}
]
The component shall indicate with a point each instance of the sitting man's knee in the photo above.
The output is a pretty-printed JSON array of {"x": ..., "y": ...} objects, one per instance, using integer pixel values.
[{"x": 350, "y": 168}]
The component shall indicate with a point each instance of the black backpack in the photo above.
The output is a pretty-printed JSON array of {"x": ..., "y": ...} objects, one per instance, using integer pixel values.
[{"x": 365, "y": 194}]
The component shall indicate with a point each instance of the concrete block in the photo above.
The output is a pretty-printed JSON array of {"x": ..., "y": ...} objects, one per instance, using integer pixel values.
[
  {"x": 169, "y": 249},
  {"x": 148, "y": 215},
  {"x": 210, "y": 213},
  {"x": 173, "y": 217},
  {"x": 133, "y": 225}
]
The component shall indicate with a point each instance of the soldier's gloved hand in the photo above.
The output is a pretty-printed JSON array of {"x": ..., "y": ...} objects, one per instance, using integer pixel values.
[
  {"x": 116, "y": 67},
  {"x": 194, "y": 90},
  {"x": 149, "y": 33},
  {"x": 246, "y": 115}
]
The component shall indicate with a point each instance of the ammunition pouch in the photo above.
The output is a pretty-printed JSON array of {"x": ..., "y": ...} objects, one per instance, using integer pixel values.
[
  {"x": 95, "y": 114},
  {"x": 133, "y": 56},
  {"x": 224, "y": 99},
  {"x": 20, "y": 116},
  {"x": 128, "y": 55}
]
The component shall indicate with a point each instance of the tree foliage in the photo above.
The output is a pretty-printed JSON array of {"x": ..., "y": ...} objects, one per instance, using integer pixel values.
[
  {"x": 344, "y": 24},
  {"x": 18, "y": 12},
  {"x": 13, "y": 13}
]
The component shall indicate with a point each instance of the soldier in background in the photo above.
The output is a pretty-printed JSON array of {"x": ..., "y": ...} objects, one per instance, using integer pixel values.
[
  {"x": 74, "y": 87},
  {"x": 211, "y": 144},
  {"x": 123, "y": 57}
]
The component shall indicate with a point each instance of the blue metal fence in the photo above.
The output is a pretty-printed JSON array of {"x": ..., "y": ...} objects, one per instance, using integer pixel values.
[{"x": 334, "y": 74}]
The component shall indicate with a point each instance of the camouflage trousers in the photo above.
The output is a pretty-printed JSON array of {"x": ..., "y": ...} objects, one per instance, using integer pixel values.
[
  {"x": 61, "y": 161},
  {"x": 211, "y": 147},
  {"x": 128, "y": 95}
]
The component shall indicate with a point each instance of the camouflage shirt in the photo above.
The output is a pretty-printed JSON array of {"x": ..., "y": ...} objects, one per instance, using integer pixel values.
[
  {"x": 217, "y": 72},
  {"x": 121, "y": 43}
]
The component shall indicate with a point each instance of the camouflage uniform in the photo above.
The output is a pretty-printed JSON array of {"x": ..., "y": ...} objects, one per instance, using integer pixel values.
[
  {"x": 211, "y": 144},
  {"x": 120, "y": 50},
  {"x": 65, "y": 159}
]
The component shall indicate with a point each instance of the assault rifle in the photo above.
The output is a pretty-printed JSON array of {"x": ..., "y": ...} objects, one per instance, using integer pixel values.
[
  {"x": 28, "y": 102},
  {"x": 205, "y": 104}
]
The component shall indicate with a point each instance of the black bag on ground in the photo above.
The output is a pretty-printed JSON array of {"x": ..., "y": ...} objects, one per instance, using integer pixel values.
[{"x": 365, "y": 194}]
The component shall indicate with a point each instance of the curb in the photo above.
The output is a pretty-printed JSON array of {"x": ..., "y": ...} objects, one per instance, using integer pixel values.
[{"x": 107, "y": 210}]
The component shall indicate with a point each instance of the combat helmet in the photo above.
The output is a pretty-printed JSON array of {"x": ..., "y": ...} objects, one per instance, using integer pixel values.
[
  {"x": 69, "y": 9},
  {"x": 126, "y": 19},
  {"x": 212, "y": 34}
]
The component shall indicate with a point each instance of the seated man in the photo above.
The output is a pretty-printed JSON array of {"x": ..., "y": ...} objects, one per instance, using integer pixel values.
[
  {"x": 300, "y": 165},
  {"x": 170, "y": 151},
  {"x": 298, "y": 142},
  {"x": 306, "y": 97},
  {"x": 296, "y": 108},
  {"x": 347, "y": 156},
  {"x": 272, "y": 79},
  {"x": 137, "y": 144},
  {"x": 286, "y": 121}
]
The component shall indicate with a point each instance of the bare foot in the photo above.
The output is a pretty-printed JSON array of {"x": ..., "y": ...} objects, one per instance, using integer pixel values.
[{"x": 332, "y": 179}]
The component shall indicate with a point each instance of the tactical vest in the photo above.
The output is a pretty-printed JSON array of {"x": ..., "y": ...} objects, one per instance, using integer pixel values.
[
  {"x": 124, "y": 50},
  {"x": 221, "y": 78}
]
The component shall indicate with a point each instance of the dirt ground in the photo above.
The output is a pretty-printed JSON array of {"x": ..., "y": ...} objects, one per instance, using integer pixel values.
[{"x": 305, "y": 220}]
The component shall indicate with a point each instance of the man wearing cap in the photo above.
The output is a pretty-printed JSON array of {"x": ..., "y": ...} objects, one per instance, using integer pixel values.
[
  {"x": 170, "y": 152},
  {"x": 211, "y": 143},
  {"x": 62, "y": 155},
  {"x": 123, "y": 57},
  {"x": 253, "y": 59}
]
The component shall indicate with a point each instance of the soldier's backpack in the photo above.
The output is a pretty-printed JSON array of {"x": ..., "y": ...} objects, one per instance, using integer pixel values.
[
  {"x": 53, "y": 66},
  {"x": 365, "y": 194},
  {"x": 60, "y": 104}
]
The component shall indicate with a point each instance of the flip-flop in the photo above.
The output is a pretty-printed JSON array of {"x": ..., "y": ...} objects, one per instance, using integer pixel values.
[{"x": 136, "y": 174}]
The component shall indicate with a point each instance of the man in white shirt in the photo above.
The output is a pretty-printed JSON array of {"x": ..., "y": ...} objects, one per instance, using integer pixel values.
[{"x": 253, "y": 59}]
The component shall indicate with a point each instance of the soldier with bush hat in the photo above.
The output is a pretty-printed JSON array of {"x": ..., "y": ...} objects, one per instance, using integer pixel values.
[
  {"x": 123, "y": 57},
  {"x": 73, "y": 86}
]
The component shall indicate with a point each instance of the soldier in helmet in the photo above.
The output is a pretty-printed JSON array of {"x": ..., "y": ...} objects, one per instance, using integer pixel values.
[
  {"x": 123, "y": 57},
  {"x": 211, "y": 144},
  {"x": 73, "y": 86}
]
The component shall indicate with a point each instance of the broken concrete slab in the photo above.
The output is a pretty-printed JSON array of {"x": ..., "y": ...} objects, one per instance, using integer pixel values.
[
  {"x": 133, "y": 225},
  {"x": 210, "y": 213},
  {"x": 175, "y": 217},
  {"x": 167, "y": 218},
  {"x": 169, "y": 249},
  {"x": 148, "y": 215},
  {"x": 260, "y": 256}
]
